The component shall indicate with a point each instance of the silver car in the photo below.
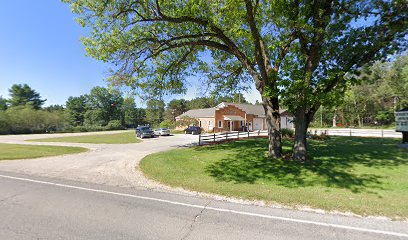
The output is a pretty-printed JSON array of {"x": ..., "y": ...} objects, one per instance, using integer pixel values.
[{"x": 162, "y": 132}]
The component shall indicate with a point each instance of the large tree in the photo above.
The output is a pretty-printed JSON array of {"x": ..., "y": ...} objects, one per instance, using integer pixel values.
[
  {"x": 76, "y": 108},
  {"x": 105, "y": 105},
  {"x": 300, "y": 50},
  {"x": 155, "y": 111},
  {"x": 175, "y": 108},
  {"x": 22, "y": 94}
]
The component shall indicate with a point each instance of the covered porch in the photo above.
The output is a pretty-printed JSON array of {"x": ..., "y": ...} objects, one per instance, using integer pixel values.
[{"x": 234, "y": 122}]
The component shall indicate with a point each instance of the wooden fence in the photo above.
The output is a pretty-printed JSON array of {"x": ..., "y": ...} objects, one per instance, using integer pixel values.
[
  {"x": 235, "y": 135},
  {"x": 220, "y": 137},
  {"x": 383, "y": 133}
]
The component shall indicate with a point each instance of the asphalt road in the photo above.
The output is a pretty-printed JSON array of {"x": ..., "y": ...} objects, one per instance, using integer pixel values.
[{"x": 44, "y": 208}]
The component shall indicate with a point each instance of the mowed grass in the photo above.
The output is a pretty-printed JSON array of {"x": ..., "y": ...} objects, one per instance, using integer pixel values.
[
  {"x": 20, "y": 151},
  {"x": 115, "y": 138},
  {"x": 366, "y": 176}
]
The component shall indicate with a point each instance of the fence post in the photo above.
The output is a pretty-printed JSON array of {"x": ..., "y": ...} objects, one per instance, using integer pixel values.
[
  {"x": 382, "y": 133},
  {"x": 199, "y": 140},
  {"x": 248, "y": 133},
  {"x": 214, "y": 137},
  {"x": 238, "y": 135},
  {"x": 226, "y": 136},
  {"x": 350, "y": 132},
  {"x": 259, "y": 131}
]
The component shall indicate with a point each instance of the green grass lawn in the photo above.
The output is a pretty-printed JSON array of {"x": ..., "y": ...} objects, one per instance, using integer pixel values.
[
  {"x": 115, "y": 138},
  {"x": 20, "y": 151},
  {"x": 366, "y": 176}
]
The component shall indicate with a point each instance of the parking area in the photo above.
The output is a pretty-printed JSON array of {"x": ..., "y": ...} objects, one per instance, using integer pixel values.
[{"x": 110, "y": 164}]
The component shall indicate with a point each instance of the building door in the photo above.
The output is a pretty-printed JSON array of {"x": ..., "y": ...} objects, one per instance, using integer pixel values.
[{"x": 258, "y": 124}]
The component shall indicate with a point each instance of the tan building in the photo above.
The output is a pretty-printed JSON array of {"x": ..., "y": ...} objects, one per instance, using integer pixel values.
[{"x": 234, "y": 117}]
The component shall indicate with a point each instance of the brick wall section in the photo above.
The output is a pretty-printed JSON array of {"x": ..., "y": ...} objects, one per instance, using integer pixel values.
[
  {"x": 234, "y": 111},
  {"x": 230, "y": 110}
]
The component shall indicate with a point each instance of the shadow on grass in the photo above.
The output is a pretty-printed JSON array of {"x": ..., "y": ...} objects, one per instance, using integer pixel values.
[{"x": 334, "y": 163}]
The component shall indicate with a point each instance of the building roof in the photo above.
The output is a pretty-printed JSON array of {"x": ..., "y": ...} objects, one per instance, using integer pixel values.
[
  {"x": 248, "y": 108},
  {"x": 202, "y": 112},
  {"x": 210, "y": 112}
]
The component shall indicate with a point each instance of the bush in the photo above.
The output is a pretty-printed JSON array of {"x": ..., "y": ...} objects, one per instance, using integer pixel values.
[
  {"x": 4, "y": 123},
  {"x": 167, "y": 124},
  {"x": 114, "y": 125},
  {"x": 287, "y": 133},
  {"x": 321, "y": 137},
  {"x": 385, "y": 117},
  {"x": 25, "y": 119}
]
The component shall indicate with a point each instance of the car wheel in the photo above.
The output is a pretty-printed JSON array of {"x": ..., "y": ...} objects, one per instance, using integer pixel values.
[{"x": 192, "y": 132}]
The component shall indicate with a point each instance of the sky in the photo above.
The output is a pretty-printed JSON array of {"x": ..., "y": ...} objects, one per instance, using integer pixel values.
[{"x": 40, "y": 45}]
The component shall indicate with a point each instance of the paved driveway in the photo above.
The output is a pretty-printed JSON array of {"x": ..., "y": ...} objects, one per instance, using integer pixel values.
[{"x": 110, "y": 164}]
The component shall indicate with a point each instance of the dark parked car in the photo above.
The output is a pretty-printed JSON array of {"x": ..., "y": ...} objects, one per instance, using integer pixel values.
[
  {"x": 192, "y": 130},
  {"x": 144, "y": 131}
]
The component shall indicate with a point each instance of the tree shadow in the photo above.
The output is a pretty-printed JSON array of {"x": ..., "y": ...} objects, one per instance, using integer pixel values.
[{"x": 334, "y": 163}]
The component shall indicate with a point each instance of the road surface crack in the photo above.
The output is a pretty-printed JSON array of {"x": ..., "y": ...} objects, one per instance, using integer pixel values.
[{"x": 195, "y": 219}]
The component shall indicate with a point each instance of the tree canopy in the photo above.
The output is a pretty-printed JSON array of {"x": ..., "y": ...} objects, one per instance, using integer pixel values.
[
  {"x": 301, "y": 53},
  {"x": 22, "y": 94},
  {"x": 3, "y": 104}
]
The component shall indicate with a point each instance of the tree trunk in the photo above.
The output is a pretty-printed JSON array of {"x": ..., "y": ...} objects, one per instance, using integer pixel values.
[
  {"x": 273, "y": 120},
  {"x": 335, "y": 118},
  {"x": 360, "y": 124},
  {"x": 300, "y": 143}
]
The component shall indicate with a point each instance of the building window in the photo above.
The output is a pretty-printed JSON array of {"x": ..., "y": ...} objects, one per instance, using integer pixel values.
[
  {"x": 200, "y": 123},
  {"x": 242, "y": 123},
  {"x": 220, "y": 124}
]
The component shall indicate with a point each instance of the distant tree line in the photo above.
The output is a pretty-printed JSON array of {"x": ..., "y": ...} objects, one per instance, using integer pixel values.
[
  {"x": 382, "y": 89},
  {"x": 100, "y": 109}
]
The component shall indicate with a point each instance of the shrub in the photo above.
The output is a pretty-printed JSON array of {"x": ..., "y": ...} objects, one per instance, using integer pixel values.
[
  {"x": 4, "y": 123},
  {"x": 287, "y": 133},
  {"x": 114, "y": 125},
  {"x": 321, "y": 137},
  {"x": 166, "y": 124}
]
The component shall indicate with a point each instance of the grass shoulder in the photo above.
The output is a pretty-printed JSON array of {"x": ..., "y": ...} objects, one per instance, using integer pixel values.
[
  {"x": 111, "y": 138},
  {"x": 366, "y": 176},
  {"x": 21, "y": 151}
]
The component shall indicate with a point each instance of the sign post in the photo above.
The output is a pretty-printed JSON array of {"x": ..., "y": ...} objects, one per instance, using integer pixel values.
[{"x": 401, "y": 124}]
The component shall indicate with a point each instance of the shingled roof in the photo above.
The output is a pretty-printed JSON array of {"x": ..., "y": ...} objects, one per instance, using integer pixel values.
[
  {"x": 210, "y": 112},
  {"x": 249, "y": 108},
  {"x": 196, "y": 113}
]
